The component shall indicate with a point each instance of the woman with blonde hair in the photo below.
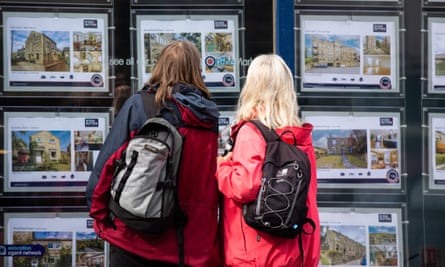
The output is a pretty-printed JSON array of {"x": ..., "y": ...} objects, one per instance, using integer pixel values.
[
  {"x": 268, "y": 96},
  {"x": 178, "y": 89}
]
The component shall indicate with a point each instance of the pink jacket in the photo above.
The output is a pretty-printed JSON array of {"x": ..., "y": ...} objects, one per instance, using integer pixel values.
[{"x": 239, "y": 180}]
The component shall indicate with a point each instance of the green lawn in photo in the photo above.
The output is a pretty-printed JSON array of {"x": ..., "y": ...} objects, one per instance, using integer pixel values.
[
  {"x": 336, "y": 162},
  {"x": 330, "y": 162},
  {"x": 358, "y": 161},
  {"x": 440, "y": 67}
]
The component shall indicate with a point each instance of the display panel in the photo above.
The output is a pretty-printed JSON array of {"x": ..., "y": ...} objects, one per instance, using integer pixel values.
[
  {"x": 357, "y": 149},
  {"x": 169, "y": 3},
  {"x": 349, "y": 53},
  {"x": 55, "y": 52},
  {"x": 367, "y": 3},
  {"x": 62, "y": 239},
  {"x": 436, "y": 146},
  {"x": 371, "y": 1},
  {"x": 83, "y": 2},
  {"x": 215, "y": 36},
  {"x": 436, "y": 55},
  {"x": 361, "y": 237},
  {"x": 51, "y": 151}
]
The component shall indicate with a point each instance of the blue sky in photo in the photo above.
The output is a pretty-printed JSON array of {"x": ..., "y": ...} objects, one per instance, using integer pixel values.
[
  {"x": 85, "y": 235},
  {"x": 347, "y": 40},
  {"x": 355, "y": 232},
  {"x": 62, "y": 38},
  {"x": 382, "y": 229},
  {"x": 439, "y": 43},
  {"x": 53, "y": 235},
  {"x": 64, "y": 137},
  {"x": 380, "y": 38},
  {"x": 317, "y": 134}
]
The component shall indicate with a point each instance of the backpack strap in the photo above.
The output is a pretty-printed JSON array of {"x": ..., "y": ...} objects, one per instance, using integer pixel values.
[
  {"x": 268, "y": 134},
  {"x": 300, "y": 238},
  {"x": 170, "y": 111},
  {"x": 149, "y": 102},
  {"x": 180, "y": 217}
]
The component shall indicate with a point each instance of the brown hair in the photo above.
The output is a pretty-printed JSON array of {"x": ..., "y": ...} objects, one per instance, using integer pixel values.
[
  {"x": 121, "y": 94},
  {"x": 179, "y": 62}
]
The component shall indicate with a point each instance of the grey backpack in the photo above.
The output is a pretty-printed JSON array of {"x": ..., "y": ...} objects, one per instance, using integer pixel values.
[{"x": 144, "y": 187}]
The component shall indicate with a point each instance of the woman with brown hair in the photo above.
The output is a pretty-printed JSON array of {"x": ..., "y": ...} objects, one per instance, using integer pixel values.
[{"x": 178, "y": 85}]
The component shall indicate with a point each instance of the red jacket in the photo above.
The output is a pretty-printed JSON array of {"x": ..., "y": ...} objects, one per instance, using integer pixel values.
[
  {"x": 198, "y": 192},
  {"x": 239, "y": 180}
]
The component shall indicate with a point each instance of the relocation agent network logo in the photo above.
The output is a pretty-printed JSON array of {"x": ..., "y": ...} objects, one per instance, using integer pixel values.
[{"x": 21, "y": 250}]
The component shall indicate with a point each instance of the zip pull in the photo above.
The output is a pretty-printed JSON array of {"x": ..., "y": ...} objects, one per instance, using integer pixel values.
[
  {"x": 260, "y": 193},
  {"x": 258, "y": 237}
]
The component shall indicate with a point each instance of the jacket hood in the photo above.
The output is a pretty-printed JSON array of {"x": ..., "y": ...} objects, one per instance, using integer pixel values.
[
  {"x": 303, "y": 134},
  {"x": 198, "y": 110}
]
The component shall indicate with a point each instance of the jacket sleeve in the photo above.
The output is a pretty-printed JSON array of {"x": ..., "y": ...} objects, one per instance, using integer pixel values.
[
  {"x": 240, "y": 178},
  {"x": 129, "y": 119}
]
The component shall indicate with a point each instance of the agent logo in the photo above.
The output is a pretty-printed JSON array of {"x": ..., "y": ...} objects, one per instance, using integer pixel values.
[
  {"x": 386, "y": 121},
  {"x": 221, "y": 24},
  {"x": 379, "y": 27},
  {"x": 90, "y": 23},
  {"x": 385, "y": 217},
  {"x": 91, "y": 122}
]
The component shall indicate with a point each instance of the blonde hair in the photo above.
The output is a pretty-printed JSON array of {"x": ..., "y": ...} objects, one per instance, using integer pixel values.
[
  {"x": 268, "y": 94},
  {"x": 178, "y": 63}
]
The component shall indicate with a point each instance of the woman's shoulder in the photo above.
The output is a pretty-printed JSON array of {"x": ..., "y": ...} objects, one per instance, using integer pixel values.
[{"x": 245, "y": 128}]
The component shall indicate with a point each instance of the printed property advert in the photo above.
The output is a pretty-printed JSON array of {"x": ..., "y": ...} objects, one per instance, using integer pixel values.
[
  {"x": 361, "y": 238},
  {"x": 215, "y": 37},
  {"x": 51, "y": 239},
  {"x": 52, "y": 151},
  {"x": 436, "y": 55},
  {"x": 349, "y": 53},
  {"x": 55, "y": 52},
  {"x": 356, "y": 149},
  {"x": 437, "y": 149}
]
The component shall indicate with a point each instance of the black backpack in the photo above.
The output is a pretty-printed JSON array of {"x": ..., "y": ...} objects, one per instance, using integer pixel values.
[{"x": 280, "y": 207}]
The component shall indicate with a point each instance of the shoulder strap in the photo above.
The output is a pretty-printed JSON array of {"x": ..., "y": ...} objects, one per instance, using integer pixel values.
[
  {"x": 180, "y": 217},
  {"x": 148, "y": 98},
  {"x": 171, "y": 113},
  {"x": 268, "y": 134}
]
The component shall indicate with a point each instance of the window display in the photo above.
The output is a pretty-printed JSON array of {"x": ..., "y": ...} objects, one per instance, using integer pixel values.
[
  {"x": 436, "y": 55},
  {"x": 216, "y": 36},
  {"x": 357, "y": 149},
  {"x": 349, "y": 53},
  {"x": 51, "y": 151},
  {"x": 66, "y": 239},
  {"x": 55, "y": 52},
  {"x": 361, "y": 237},
  {"x": 437, "y": 150}
]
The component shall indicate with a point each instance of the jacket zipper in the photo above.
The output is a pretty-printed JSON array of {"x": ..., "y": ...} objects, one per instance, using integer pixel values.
[{"x": 244, "y": 235}]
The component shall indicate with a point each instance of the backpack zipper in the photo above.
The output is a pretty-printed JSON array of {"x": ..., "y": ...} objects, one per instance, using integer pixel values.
[
  {"x": 300, "y": 180},
  {"x": 260, "y": 193}
]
